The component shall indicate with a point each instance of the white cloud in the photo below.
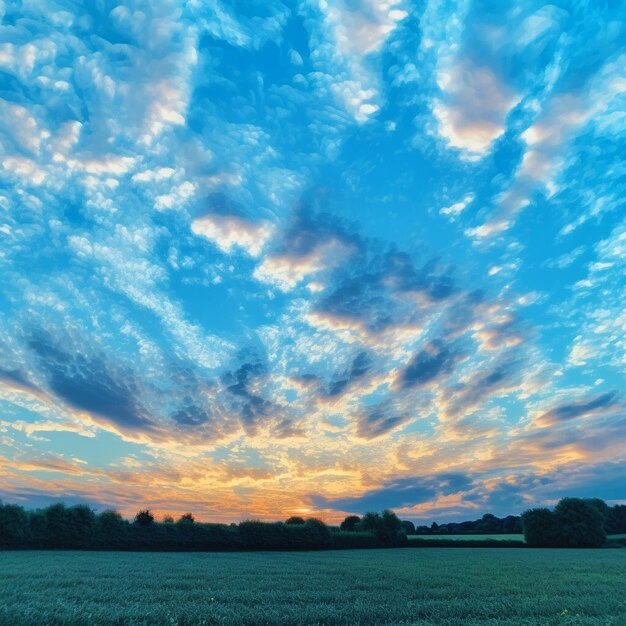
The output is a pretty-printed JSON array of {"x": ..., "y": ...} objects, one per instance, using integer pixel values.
[
  {"x": 287, "y": 270},
  {"x": 473, "y": 106},
  {"x": 458, "y": 207},
  {"x": 229, "y": 232},
  {"x": 548, "y": 141},
  {"x": 354, "y": 32}
]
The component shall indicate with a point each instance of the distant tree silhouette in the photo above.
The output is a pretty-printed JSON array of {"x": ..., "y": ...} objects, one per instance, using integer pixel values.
[
  {"x": 616, "y": 520},
  {"x": 13, "y": 525},
  {"x": 573, "y": 523},
  {"x": 144, "y": 518},
  {"x": 350, "y": 522},
  {"x": 294, "y": 519},
  {"x": 386, "y": 526},
  {"x": 409, "y": 527}
]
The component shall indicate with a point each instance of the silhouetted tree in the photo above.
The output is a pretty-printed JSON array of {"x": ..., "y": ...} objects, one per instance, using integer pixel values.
[
  {"x": 580, "y": 523},
  {"x": 350, "y": 522},
  {"x": 14, "y": 525},
  {"x": 319, "y": 532},
  {"x": 168, "y": 519},
  {"x": 81, "y": 523},
  {"x": 294, "y": 519},
  {"x": 616, "y": 520},
  {"x": 409, "y": 527},
  {"x": 540, "y": 528},
  {"x": 575, "y": 523},
  {"x": 144, "y": 518},
  {"x": 186, "y": 519},
  {"x": 387, "y": 527}
]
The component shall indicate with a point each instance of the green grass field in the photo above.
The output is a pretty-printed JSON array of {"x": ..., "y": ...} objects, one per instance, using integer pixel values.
[
  {"x": 449, "y": 586},
  {"x": 469, "y": 537}
]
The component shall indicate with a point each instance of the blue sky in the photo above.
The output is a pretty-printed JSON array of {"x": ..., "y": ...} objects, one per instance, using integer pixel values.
[{"x": 270, "y": 258}]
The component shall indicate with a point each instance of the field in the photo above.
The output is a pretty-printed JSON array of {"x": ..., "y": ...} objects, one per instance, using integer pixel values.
[
  {"x": 443, "y": 586},
  {"x": 469, "y": 537}
]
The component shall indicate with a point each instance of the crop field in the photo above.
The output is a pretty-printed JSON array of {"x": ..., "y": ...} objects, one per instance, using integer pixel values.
[
  {"x": 438, "y": 586},
  {"x": 469, "y": 537}
]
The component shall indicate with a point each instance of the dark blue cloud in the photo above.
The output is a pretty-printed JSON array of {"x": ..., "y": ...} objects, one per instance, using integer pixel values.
[
  {"x": 88, "y": 384},
  {"x": 191, "y": 415},
  {"x": 18, "y": 378},
  {"x": 309, "y": 229},
  {"x": 371, "y": 290},
  {"x": 399, "y": 493},
  {"x": 361, "y": 365},
  {"x": 379, "y": 420},
  {"x": 436, "y": 360},
  {"x": 567, "y": 412},
  {"x": 482, "y": 386},
  {"x": 34, "y": 499},
  {"x": 241, "y": 386}
]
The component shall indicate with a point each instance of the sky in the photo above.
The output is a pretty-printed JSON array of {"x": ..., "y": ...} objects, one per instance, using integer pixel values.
[{"x": 264, "y": 258}]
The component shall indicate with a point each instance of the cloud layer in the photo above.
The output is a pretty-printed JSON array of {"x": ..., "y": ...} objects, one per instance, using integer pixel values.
[{"x": 321, "y": 257}]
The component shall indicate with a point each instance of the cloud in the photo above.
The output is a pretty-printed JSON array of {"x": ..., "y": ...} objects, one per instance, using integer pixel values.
[
  {"x": 584, "y": 408},
  {"x": 436, "y": 360},
  {"x": 244, "y": 386},
  {"x": 484, "y": 384},
  {"x": 16, "y": 378},
  {"x": 229, "y": 232},
  {"x": 87, "y": 384},
  {"x": 400, "y": 493},
  {"x": 360, "y": 366},
  {"x": 347, "y": 34},
  {"x": 312, "y": 244},
  {"x": 458, "y": 207},
  {"x": 379, "y": 420},
  {"x": 381, "y": 292},
  {"x": 474, "y": 105},
  {"x": 191, "y": 415}
]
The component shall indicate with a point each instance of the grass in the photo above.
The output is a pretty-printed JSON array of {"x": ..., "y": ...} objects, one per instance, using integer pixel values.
[
  {"x": 468, "y": 537},
  {"x": 450, "y": 586}
]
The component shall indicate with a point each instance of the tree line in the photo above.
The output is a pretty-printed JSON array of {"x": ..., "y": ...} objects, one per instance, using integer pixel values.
[
  {"x": 79, "y": 527},
  {"x": 573, "y": 523},
  {"x": 488, "y": 524}
]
